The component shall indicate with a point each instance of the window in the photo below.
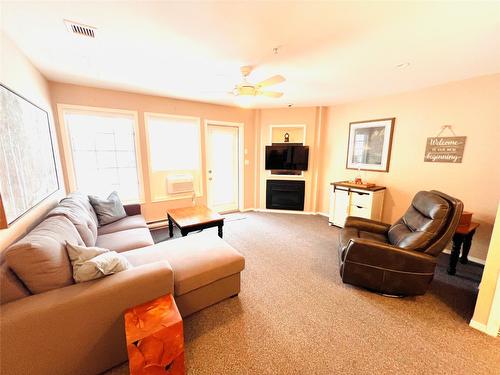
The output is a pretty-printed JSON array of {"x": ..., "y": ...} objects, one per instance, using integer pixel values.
[
  {"x": 103, "y": 152},
  {"x": 174, "y": 149}
]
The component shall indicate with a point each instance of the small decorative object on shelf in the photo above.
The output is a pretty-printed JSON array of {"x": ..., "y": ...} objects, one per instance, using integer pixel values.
[
  {"x": 358, "y": 180},
  {"x": 287, "y": 138},
  {"x": 155, "y": 340}
]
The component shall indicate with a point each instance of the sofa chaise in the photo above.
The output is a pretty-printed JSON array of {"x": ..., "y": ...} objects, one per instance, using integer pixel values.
[{"x": 50, "y": 325}]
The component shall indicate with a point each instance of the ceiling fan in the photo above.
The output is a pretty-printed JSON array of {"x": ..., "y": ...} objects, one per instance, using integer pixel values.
[{"x": 248, "y": 89}]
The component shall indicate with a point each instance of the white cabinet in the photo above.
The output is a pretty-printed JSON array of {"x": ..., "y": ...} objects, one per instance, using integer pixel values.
[{"x": 347, "y": 200}]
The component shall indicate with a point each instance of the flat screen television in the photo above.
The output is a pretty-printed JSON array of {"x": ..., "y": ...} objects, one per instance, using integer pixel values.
[{"x": 287, "y": 157}]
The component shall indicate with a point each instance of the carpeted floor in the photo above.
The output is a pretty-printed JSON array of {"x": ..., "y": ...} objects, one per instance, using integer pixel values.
[{"x": 295, "y": 316}]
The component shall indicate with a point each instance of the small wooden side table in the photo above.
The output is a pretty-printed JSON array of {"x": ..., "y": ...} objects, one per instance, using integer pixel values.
[
  {"x": 155, "y": 340},
  {"x": 461, "y": 239}
]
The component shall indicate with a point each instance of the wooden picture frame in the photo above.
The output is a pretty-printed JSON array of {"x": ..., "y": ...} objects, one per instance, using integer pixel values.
[
  {"x": 28, "y": 161},
  {"x": 369, "y": 144}
]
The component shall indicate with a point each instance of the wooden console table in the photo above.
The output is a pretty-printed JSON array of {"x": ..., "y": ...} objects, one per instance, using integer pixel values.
[
  {"x": 349, "y": 199},
  {"x": 190, "y": 219},
  {"x": 155, "y": 340},
  {"x": 461, "y": 239}
]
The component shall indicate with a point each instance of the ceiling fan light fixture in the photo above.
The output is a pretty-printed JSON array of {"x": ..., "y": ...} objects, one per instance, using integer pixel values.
[
  {"x": 244, "y": 101},
  {"x": 246, "y": 90}
]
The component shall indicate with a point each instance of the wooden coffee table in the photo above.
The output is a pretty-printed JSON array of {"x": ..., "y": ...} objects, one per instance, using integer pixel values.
[{"x": 190, "y": 219}]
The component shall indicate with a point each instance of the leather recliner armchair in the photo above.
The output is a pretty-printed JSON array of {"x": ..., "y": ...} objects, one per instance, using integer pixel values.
[{"x": 399, "y": 259}]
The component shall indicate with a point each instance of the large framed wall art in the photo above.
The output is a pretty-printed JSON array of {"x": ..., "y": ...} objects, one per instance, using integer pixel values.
[
  {"x": 28, "y": 172},
  {"x": 370, "y": 145}
]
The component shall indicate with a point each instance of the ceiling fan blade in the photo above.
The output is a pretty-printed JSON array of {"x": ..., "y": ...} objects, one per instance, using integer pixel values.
[
  {"x": 271, "y": 94},
  {"x": 216, "y": 92},
  {"x": 274, "y": 80}
]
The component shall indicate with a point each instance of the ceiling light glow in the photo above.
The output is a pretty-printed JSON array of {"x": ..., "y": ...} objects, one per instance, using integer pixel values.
[{"x": 244, "y": 101}]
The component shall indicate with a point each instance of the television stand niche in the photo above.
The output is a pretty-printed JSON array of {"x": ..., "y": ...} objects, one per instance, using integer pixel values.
[{"x": 287, "y": 172}]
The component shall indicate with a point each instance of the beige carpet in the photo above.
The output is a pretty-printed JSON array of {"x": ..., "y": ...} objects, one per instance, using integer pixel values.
[{"x": 294, "y": 315}]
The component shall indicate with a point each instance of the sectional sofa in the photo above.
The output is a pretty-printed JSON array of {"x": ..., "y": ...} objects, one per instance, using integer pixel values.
[{"x": 50, "y": 325}]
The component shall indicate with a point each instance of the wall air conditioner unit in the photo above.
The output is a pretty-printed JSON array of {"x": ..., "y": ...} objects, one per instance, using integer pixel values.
[{"x": 180, "y": 183}]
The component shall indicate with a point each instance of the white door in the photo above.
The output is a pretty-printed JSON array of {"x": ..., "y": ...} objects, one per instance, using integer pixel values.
[{"x": 223, "y": 168}]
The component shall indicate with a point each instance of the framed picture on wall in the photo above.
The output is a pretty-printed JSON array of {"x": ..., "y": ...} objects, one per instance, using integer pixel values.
[
  {"x": 27, "y": 162},
  {"x": 370, "y": 143}
]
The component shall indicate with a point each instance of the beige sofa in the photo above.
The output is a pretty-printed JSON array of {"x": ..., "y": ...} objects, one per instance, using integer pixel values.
[{"x": 50, "y": 325}]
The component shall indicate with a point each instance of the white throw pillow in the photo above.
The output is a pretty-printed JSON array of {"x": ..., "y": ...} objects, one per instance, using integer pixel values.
[{"x": 90, "y": 263}]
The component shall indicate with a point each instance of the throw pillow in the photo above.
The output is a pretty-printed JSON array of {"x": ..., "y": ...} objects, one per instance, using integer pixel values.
[
  {"x": 90, "y": 263},
  {"x": 108, "y": 210}
]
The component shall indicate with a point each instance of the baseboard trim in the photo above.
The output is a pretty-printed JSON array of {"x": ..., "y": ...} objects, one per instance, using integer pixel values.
[
  {"x": 322, "y": 214},
  {"x": 482, "y": 327},
  {"x": 162, "y": 222},
  {"x": 472, "y": 259},
  {"x": 285, "y": 211}
]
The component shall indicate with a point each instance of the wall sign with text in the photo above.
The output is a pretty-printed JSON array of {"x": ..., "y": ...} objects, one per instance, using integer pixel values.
[{"x": 444, "y": 149}]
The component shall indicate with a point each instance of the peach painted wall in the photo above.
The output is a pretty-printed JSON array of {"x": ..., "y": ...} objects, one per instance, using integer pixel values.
[
  {"x": 310, "y": 117},
  {"x": 470, "y": 106},
  {"x": 94, "y": 97},
  {"x": 17, "y": 73}
]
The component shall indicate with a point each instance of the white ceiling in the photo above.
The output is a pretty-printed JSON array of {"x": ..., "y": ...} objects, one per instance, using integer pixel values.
[{"x": 330, "y": 52}]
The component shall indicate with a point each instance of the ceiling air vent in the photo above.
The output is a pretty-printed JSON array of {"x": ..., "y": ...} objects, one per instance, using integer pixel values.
[{"x": 80, "y": 29}]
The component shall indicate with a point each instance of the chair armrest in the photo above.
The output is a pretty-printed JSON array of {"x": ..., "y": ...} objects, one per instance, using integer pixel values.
[
  {"x": 78, "y": 329},
  {"x": 385, "y": 256},
  {"x": 367, "y": 225},
  {"x": 132, "y": 209}
]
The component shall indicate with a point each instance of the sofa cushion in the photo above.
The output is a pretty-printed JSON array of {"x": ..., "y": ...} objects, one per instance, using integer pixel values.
[
  {"x": 128, "y": 222},
  {"x": 40, "y": 259},
  {"x": 74, "y": 209},
  {"x": 125, "y": 240},
  {"x": 197, "y": 260},
  {"x": 11, "y": 288},
  {"x": 108, "y": 210},
  {"x": 84, "y": 200}
]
